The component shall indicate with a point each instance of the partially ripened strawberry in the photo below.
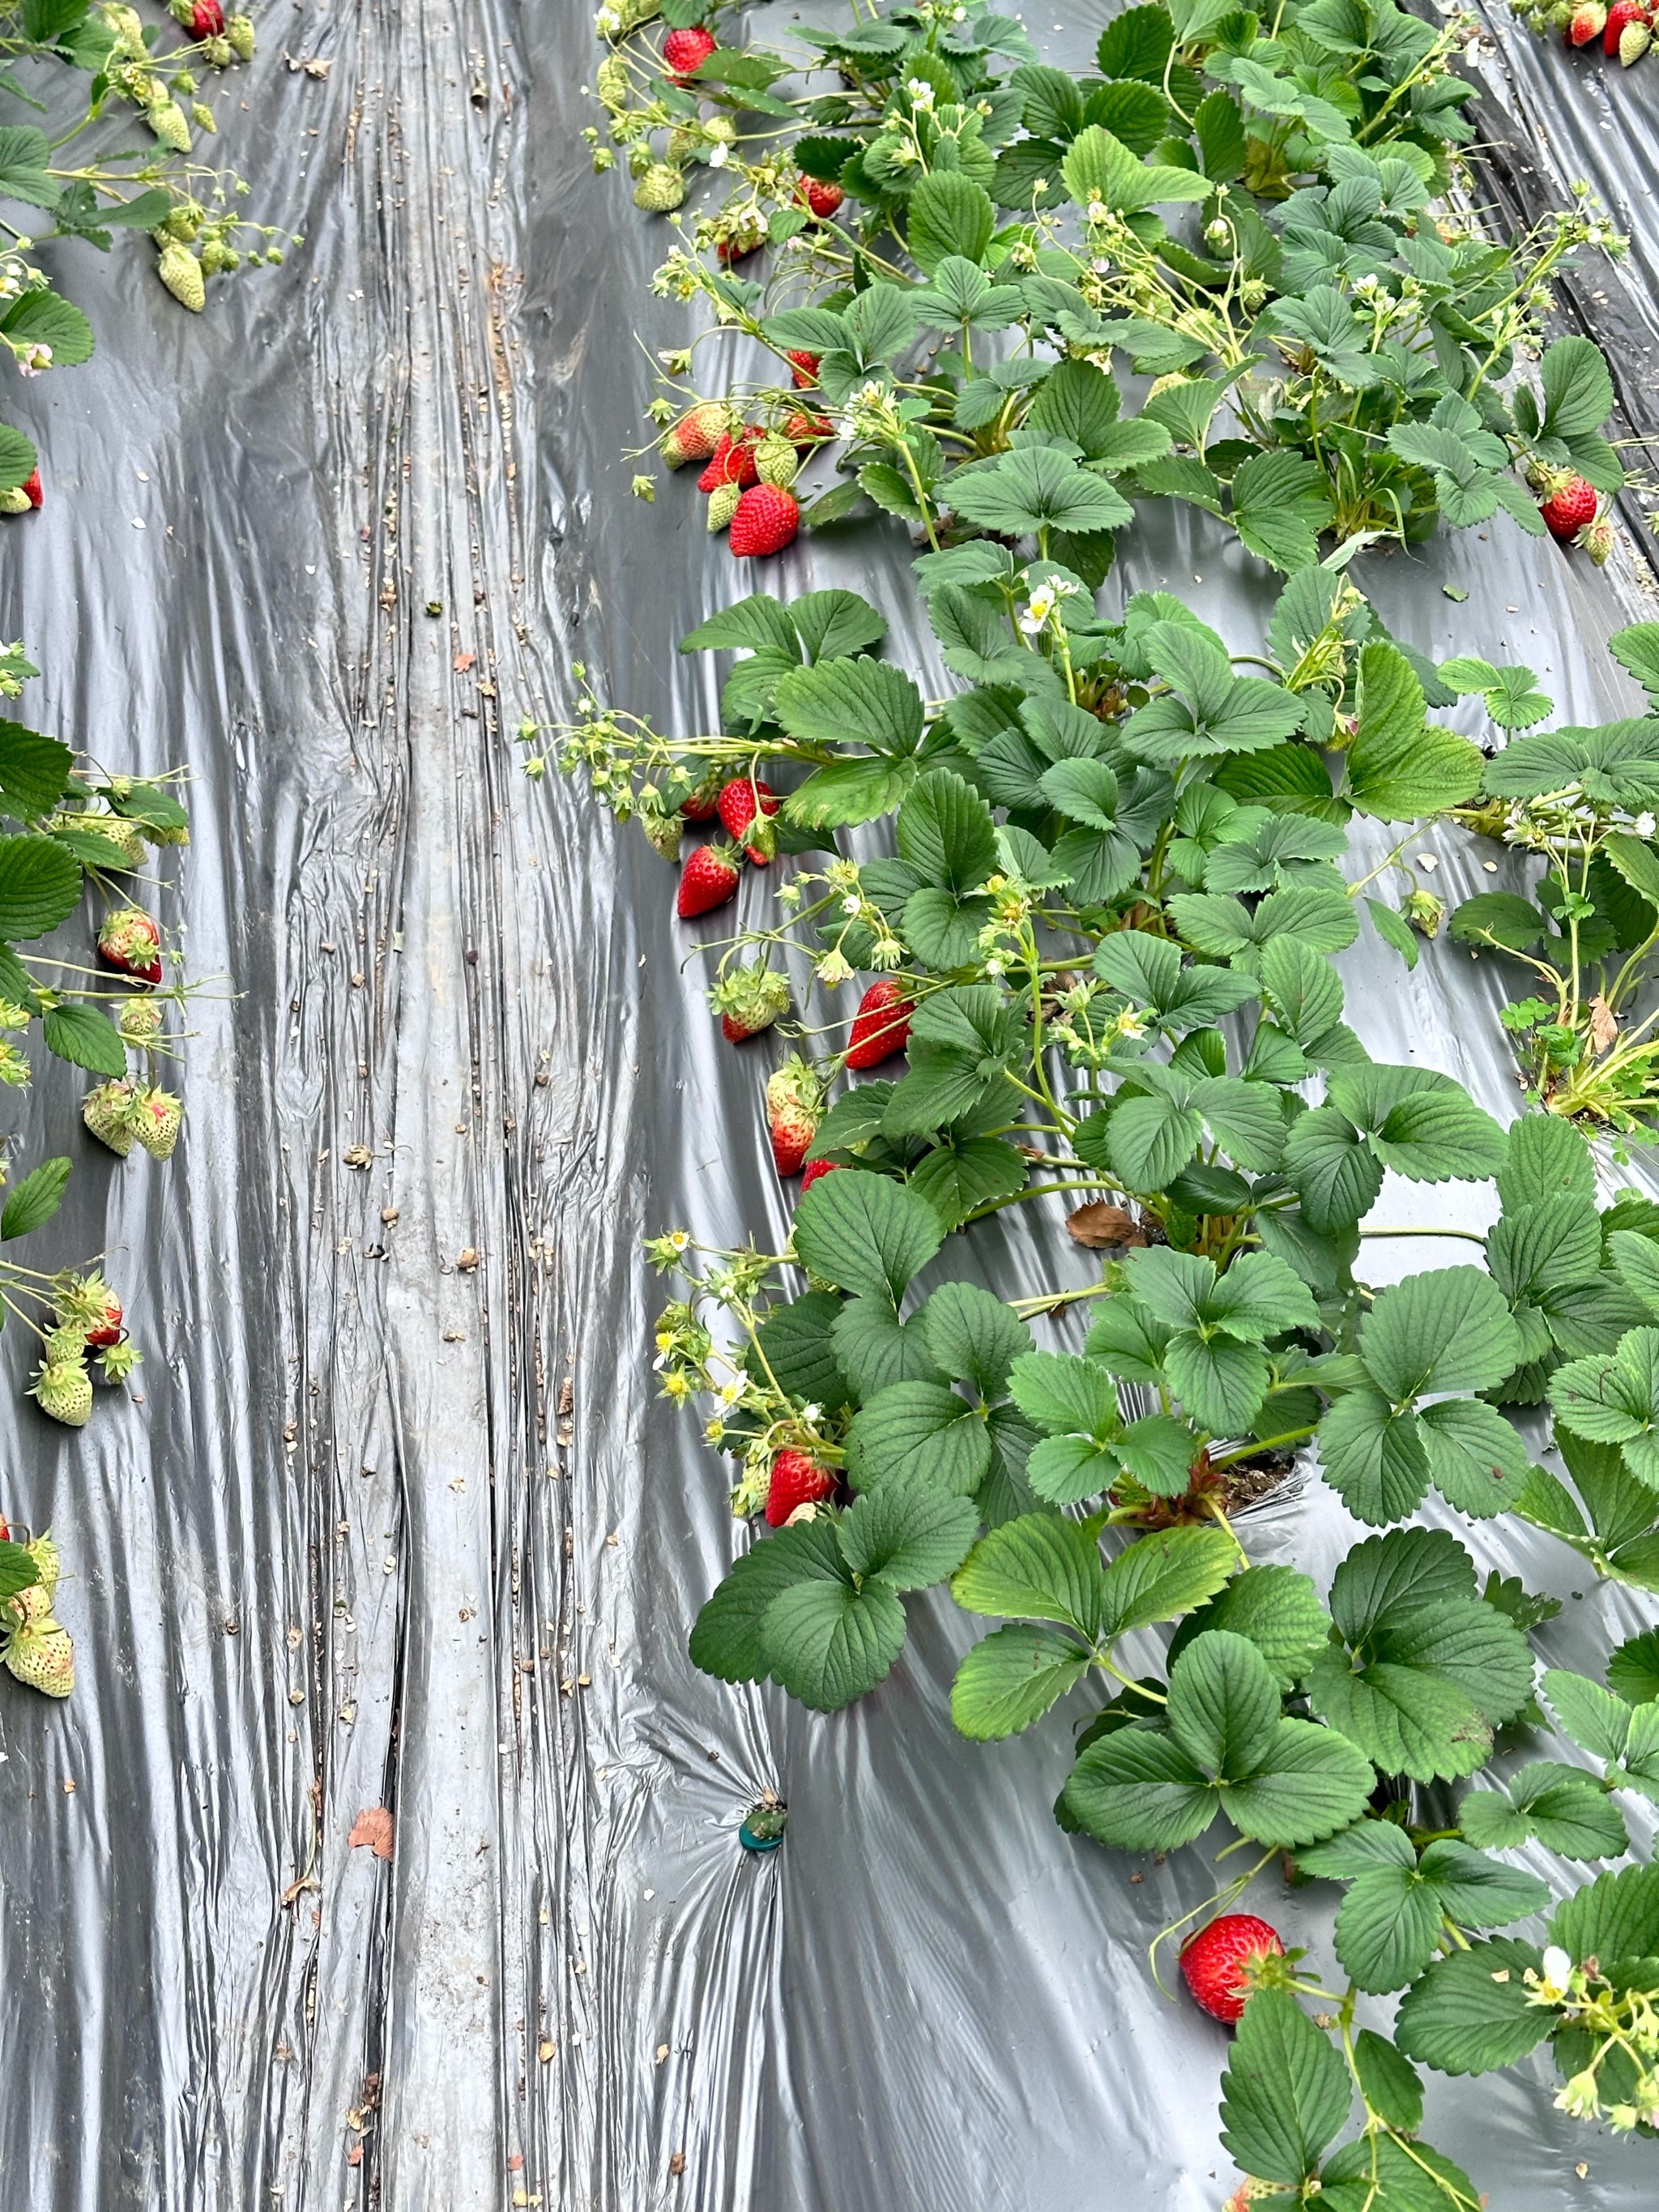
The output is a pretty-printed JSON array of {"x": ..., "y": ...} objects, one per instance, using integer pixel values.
[
  {"x": 740, "y": 801},
  {"x": 766, "y": 521},
  {"x": 823, "y": 198},
  {"x": 794, "y": 1100},
  {"x": 749, "y": 999},
  {"x": 32, "y": 491},
  {"x": 881, "y": 1026},
  {"x": 131, "y": 941},
  {"x": 1587, "y": 24},
  {"x": 157, "y": 1118},
  {"x": 796, "y": 1481},
  {"x": 814, "y": 1169},
  {"x": 804, "y": 368},
  {"x": 1218, "y": 1965},
  {"x": 1621, "y": 13},
  {"x": 1571, "y": 505},
  {"x": 741, "y": 240},
  {"x": 683, "y": 51},
  {"x": 733, "y": 460},
  {"x": 708, "y": 878},
  {"x": 695, "y": 435}
]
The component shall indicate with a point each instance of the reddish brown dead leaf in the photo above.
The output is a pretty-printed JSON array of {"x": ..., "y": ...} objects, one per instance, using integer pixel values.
[
  {"x": 372, "y": 1828},
  {"x": 1604, "y": 1024},
  {"x": 354, "y": 2155},
  {"x": 1103, "y": 1228},
  {"x": 462, "y": 662}
]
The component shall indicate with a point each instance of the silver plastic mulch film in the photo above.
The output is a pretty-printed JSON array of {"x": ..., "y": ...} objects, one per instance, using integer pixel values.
[{"x": 392, "y": 1531}]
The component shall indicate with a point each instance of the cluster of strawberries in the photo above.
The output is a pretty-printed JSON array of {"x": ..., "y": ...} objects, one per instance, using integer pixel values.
[
  {"x": 88, "y": 1321},
  {"x": 122, "y": 1113},
  {"x": 751, "y": 469},
  {"x": 1626, "y": 29},
  {"x": 749, "y": 999},
  {"x": 38, "y": 1650}
]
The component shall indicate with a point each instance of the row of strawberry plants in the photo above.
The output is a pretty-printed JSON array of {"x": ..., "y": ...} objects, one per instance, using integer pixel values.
[
  {"x": 98, "y": 66},
  {"x": 84, "y": 836},
  {"x": 1101, "y": 890}
]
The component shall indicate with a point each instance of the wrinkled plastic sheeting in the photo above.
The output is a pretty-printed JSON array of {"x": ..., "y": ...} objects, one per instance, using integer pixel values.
[{"x": 352, "y": 1548}]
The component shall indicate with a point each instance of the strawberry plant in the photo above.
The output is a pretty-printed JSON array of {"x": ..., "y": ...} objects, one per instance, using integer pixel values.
[
  {"x": 84, "y": 179},
  {"x": 1250, "y": 220},
  {"x": 1098, "y": 891}
]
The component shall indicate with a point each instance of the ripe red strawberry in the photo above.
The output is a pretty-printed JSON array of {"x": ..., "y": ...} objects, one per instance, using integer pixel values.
[
  {"x": 796, "y": 1481},
  {"x": 207, "y": 19},
  {"x": 130, "y": 942},
  {"x": 682, "y": 51},
  {"x": 1213, "y": 1963},
  {"x": 794, "y": 1099},
  {"x": 1621, "y": 13},
  {"x": 708, "y": 878},
  {"x": 1587, "y": 24},
  {"x": 804, "y": 429},
  {"x": 732, "y": 461},
  {"x": 804, "y": 368},
  {"x": 1571, "y": 505},
  {"x": 766, "y": 521},
  {"x": 32, "y": 489},
  {"x": 740, "y": 800},
  {"x": 881, "y": 1026},
  {"x": 823, "y": 199},
  {"x": 814, "y": 1169},
  {"x": 700, "y": 806}
]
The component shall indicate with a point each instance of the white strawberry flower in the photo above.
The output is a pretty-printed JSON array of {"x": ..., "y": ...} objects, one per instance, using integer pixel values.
[{"x": 922, "y": 94}]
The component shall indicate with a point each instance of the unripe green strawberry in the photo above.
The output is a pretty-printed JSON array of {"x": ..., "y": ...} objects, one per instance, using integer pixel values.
[
  {"x": 181, "y": 272},
  {"x": 612, "y": 81},
  {"x": 117, "y": 1361},
  {"x": 157, "y": 1118},
  {"x": 663, "y": 831},
  {"x": 47, "y": 1562},
  {"x": 238, "y": 30},
  {"x": 1596, "y": 538},
  {"x": 15, "y": 501},
  {"x": 723, "y": 503},
  {"x": 34, "y": 1603},
  {"x": 140, "y": 1024},
  {"x": 129, "y": 28},
  {"x": 202, "y": 116},
  {"x": 42, "y": 1654},
  {"x": 114, "y": 830},
  {"x": 660, "y": 190},
  {"x": 1633, "y": 42},
  {"x": 108, "y": 1113},
  {"x": 776, "y": 462},
  {"x": 167, "y": 120},
  {"x": 218, "y": 54},
  {"x": 1424, "y": 911},
  {"x": 62, "y": 1390},
  {"x": 175, "y": 833}
]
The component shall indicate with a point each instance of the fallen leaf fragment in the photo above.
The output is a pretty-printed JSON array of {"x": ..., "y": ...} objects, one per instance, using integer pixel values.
[
  {"x": 372, "y": 1828},
  {"x": 1102, "y": 1228}
]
